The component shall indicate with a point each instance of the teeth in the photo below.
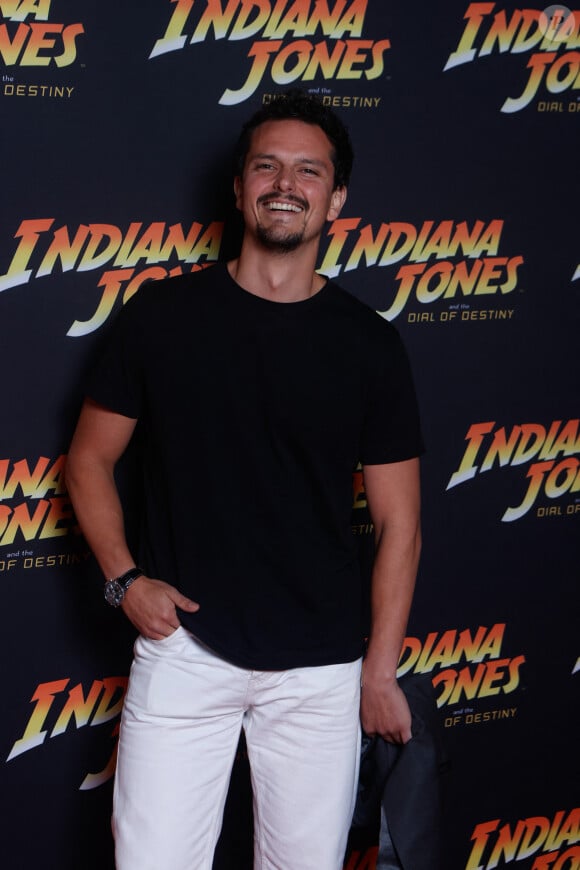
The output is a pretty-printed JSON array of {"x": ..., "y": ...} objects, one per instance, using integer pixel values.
[{"x": 283, "y": 206}]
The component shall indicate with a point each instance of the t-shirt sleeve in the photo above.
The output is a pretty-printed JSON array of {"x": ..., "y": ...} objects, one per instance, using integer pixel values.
[
  {"x": 115, "y": 380},
  {"x": 391, "y": 430}
]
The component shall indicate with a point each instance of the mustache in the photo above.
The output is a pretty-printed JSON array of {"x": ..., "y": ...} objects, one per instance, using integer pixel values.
[{"x": 287, "y": 197}]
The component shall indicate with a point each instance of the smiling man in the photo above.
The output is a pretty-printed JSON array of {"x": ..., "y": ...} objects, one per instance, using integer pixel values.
[
  {"x": 258, "y": 386},
  {"x": 286, "y": 190}
]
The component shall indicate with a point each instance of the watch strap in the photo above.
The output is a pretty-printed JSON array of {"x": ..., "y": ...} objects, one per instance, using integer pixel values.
[{"x": 129, "y": 577}]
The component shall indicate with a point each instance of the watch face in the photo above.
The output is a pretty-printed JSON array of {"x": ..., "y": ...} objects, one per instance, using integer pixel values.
[{"x": 114, "y": 593}]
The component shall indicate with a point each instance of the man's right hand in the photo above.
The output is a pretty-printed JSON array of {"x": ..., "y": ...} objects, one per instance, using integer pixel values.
[{"x": 151, "y": 606}]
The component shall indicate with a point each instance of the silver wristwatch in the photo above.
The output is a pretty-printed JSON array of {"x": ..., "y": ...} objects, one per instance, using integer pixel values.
[{"x": 116, "y": 588}]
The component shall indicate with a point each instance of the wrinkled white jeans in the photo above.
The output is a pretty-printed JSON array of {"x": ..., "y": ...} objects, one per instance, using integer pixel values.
[{"x": 179, "y": 734}]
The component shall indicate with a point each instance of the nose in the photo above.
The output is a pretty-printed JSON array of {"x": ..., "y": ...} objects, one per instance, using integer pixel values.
[{"x": 284, "y": 179}]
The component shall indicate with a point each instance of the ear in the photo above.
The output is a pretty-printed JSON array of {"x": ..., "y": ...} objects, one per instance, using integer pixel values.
[
  {"x": 238, "y": 191},
  {"x": 337, "y": 200}
]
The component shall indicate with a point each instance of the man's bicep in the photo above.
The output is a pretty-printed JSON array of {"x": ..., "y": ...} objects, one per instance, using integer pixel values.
[
  {"x": 101, "y": 435},
  {"x": 393, "y": 492}
]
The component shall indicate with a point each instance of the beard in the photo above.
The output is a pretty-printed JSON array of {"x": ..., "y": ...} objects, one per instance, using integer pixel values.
[{"x": 275, "y": 240}]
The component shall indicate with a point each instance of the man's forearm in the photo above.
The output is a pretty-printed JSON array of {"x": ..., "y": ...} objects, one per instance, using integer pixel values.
[
  {"x": 98, "y": 509},
  {"x": 393, "y": 583},
  {"x": 384, "y": 708},
  {"x": 100, "y": 439},
  {"x": 393, "y": 494}
]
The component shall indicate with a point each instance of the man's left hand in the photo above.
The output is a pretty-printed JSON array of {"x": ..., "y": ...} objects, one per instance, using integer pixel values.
[{"x": 384, "y": 709}]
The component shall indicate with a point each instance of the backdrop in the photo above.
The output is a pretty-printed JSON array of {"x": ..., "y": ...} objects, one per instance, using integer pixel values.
[{"x": 461, "y": 226}]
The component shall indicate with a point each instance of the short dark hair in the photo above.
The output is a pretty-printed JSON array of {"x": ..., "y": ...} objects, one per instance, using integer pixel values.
[{"x": 302, "y": 106}]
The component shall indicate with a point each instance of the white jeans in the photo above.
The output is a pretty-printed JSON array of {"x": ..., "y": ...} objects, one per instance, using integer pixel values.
[{"x": 179, "y": 734}]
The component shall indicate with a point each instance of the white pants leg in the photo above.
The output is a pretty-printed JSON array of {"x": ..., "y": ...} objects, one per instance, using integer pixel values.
[
  {"x": 179, "y": 734},
  {"x": 303, "y": 738}
]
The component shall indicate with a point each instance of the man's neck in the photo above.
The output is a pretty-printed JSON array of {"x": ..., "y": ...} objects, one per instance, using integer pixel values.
[{"x": 278, "y": 276}]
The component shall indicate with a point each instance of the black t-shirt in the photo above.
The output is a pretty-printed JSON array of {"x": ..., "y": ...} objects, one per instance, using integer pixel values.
[{"x": 253, "y": 415}]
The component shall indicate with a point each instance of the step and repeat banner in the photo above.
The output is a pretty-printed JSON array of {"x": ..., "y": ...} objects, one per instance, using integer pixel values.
[{"x": 461, "y": 227}]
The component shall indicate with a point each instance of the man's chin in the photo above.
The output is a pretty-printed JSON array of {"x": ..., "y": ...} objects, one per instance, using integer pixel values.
[{"x": 275, "y": 241}]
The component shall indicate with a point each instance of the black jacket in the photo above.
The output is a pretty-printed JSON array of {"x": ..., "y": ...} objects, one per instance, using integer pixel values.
[{"x": 403, "y": 784}]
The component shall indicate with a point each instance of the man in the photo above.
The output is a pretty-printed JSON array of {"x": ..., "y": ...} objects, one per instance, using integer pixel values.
[{"x": 257, "y": 385}]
